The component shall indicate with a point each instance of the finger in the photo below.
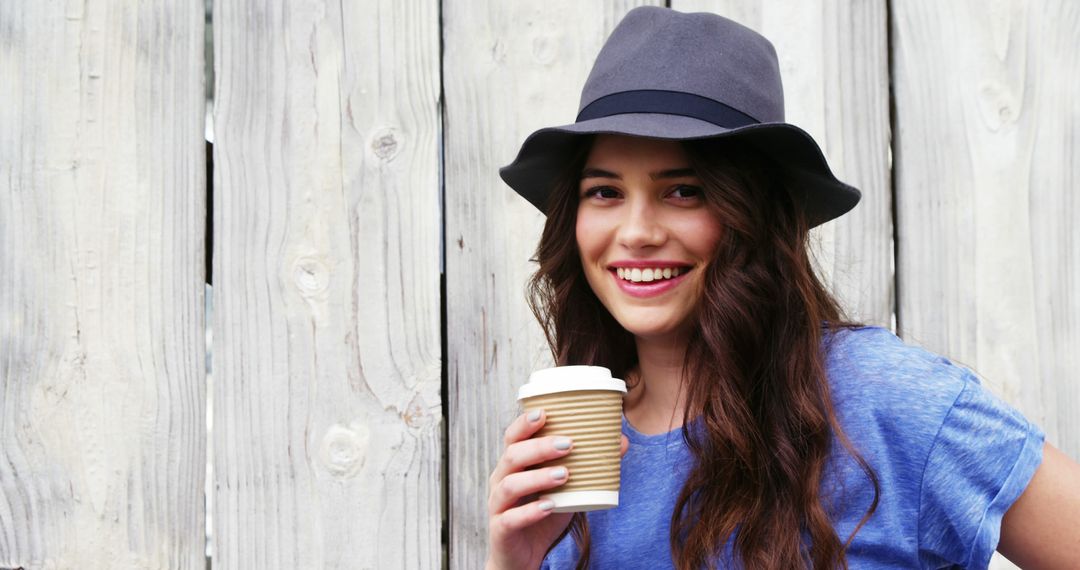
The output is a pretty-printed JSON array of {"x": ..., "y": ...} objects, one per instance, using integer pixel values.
[
  {"x": 523, "y": 454},
  {"x": 517, "y": 485},
  {"x": 524, "y": 426},
  {"x": 624, "y": 445},
  {"x": 521, "y": 517}
]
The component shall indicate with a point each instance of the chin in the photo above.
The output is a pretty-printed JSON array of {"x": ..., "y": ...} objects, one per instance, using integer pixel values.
[{"x": 652, "y": 328}]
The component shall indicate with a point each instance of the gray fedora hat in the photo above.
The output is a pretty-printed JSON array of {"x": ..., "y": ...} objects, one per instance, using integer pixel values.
[{"x": 668, "y": 75}]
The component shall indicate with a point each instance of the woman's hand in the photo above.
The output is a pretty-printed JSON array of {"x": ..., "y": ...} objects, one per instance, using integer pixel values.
[{"x": 521, "y": 529}]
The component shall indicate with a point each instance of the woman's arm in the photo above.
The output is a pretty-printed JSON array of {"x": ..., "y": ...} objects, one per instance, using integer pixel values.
[{"x": 1042, "y": 528}]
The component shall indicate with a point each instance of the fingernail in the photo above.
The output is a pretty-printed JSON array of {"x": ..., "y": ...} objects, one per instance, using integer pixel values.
[
  {"x": 562, "y": 444},
  {"x": 534, "y": 416},
  {"x": 546, "y": 505},
  {"x": 558, "y": 473}
]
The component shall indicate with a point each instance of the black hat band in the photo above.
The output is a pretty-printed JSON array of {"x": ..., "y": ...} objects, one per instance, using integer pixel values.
[{"x": 668, "y": 103}]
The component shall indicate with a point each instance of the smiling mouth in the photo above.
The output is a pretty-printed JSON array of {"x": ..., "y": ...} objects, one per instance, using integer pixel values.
[{"x": 649, "y": 274}]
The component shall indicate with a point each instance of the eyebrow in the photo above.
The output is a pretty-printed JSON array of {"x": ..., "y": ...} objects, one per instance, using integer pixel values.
[{"x": 672, "y": 173}]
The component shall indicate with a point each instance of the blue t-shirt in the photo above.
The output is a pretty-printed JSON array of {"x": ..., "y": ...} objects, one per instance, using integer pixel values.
[{"x": 950, "y": 458}]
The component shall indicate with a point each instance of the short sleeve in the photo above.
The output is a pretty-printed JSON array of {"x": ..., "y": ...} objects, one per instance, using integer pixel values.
[{"x": 982, "y": 459}]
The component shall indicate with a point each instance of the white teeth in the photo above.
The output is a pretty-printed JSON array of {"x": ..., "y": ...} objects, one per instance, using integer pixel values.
[{"x": 637, "y": 275}]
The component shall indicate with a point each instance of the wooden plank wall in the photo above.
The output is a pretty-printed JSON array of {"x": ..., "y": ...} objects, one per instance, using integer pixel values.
[
  {"x": 327, "y": 428},
  {"x": 102, "y": 211},
  {"x": 987, "y": 159},
  {"x": 987, "y": 168},
  {"x": 331, "y": 138}
]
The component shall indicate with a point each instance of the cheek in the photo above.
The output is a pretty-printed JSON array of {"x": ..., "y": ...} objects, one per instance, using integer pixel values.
[
  {"x": 589, "y": 237},
  {"x": 703, "y": 235}
]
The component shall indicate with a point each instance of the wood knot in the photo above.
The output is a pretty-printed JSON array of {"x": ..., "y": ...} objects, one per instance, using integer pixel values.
[
  {"x": 416, "y": 414},
  {"x": 343, "y": 448},
  {"x": 997, "y": 105},
  {"x": 311, "y": 276},
  {"x": 498, "y": 51},
  {"x": 544, "y": 49},
  {"x": 384, "y": 143}
]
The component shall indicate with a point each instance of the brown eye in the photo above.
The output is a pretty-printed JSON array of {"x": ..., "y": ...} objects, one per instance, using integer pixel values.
[
  {"x": 603, "y": 192},
  {"x": 686, "y": 192}
]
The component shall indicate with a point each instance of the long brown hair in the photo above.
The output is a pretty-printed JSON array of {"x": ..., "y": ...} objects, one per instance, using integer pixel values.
[{"x": 754, "y": 368}]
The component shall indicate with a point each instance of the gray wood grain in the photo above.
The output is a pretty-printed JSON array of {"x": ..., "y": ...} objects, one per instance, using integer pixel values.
[
  {"x": 988, "y": 163},
  {"x": 327, "y": 442},
  {"x": 509, "y": 69},
  {"x": 102, "y": 202},
  {"x": 987, "y": 170}
]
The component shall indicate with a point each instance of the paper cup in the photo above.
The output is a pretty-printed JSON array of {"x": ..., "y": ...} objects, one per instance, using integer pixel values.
[{"x": 583, "y": 403}]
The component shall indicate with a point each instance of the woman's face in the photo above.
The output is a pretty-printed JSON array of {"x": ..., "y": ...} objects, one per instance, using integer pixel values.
[{"x": 644, "y": 233}]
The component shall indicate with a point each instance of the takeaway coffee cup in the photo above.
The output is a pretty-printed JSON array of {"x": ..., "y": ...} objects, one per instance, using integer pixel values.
[{"x": 583, "y": 403}]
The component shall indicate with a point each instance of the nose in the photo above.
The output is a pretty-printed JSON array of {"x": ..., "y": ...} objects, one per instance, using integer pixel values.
[{"x": 641, "y": 226}]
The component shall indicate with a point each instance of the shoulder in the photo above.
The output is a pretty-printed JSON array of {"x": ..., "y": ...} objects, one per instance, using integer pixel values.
[
  {"x": 875, "y": 350},
  {"x": 910, "y": 395},
  {"x": 872, "y": 366},
  {"x": 950, "y": 455},
  {"x": 891, "y": 398}
]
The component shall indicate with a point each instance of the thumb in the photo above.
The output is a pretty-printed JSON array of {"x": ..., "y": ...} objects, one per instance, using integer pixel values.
[{"x": 624, "y": 444}]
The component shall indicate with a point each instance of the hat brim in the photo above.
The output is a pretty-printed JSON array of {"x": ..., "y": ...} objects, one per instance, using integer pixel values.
[{"x": 545, "y": 153}]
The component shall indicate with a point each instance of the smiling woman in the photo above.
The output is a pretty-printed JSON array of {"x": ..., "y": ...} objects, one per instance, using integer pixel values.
[
  {"x": 715, "y": 212},
  {"x": 763, "y": 429}
]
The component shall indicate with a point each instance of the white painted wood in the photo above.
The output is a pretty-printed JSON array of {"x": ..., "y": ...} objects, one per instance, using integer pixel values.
[
  {"x": 102, "y": 204},
  {"x": 987, "y": 160},
  {"x": 327, "y": 442},
  {"x": 509, "y": 69},
  {"x": 834, "y": 64},
  {"x": 988, "y": 166}
]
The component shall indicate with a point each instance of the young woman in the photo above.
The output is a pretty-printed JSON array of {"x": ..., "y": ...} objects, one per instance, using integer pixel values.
[{"x": 763, "y": 430}]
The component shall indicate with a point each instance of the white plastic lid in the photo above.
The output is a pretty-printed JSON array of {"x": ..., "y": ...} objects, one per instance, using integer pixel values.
[{"x": 570, "y": 379}]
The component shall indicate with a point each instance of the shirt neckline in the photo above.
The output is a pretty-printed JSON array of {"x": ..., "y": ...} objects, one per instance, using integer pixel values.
[{"x": 671, "y": 438}]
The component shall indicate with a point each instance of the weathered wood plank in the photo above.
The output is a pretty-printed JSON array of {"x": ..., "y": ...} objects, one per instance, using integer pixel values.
[
  {"x": 834, "y": 64},
  {"x": 509, "y": 68},
  {"x": 326, "y": 276},
  {"x": 988, "y": 161},
  {"x": 102, "y": 201}
]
